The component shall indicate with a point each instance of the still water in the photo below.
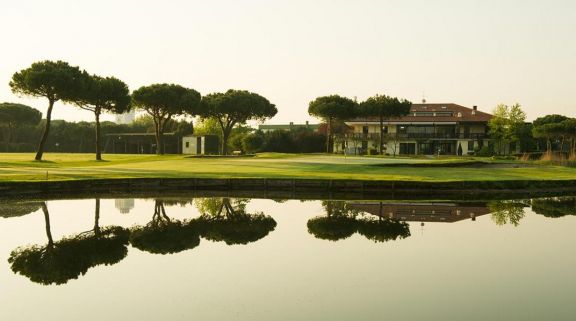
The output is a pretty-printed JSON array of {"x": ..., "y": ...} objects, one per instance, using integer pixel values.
[{"x": 260, "y": 259}]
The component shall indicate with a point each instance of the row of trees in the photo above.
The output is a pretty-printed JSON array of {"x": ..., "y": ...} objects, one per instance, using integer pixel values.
[
  {"x": 509, "y": 126},
  {"x": 58, "y": 81},
  {"x": 78, "y": 137},
  {"x": 556, "y": 128},
  {"x": 337, "y": 108},
  {"x": 15, "y": 116}
]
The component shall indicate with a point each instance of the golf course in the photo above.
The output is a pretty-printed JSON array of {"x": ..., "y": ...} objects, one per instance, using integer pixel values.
[{"x": 63, "y": 167}]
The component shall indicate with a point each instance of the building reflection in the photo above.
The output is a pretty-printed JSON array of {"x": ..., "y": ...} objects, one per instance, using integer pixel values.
[
  {"x": 423, "y": 212},
  {"x": 124, "y": 205}
]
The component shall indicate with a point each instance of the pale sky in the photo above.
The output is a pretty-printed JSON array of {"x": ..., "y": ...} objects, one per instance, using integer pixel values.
[{"x": 466, "y": 52}]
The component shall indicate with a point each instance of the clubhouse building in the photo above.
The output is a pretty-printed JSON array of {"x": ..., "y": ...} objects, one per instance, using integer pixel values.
[{"x": 429, "y": 129}]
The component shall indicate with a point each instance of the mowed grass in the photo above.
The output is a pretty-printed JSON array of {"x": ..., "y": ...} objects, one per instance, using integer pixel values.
[{"x": 21, "y": 167}]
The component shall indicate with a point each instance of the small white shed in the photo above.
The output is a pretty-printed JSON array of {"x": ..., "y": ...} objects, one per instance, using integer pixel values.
[{"x": 200, "y": 145}]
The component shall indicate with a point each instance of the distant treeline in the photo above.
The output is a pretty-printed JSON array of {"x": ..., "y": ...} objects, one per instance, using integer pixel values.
[{"x": 78, "y": 137}]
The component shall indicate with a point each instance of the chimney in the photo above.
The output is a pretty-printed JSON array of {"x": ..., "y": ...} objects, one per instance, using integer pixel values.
[{"x": 475, "y": 107}]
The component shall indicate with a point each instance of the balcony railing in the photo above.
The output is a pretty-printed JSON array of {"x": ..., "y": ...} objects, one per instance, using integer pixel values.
[{"x": 376, "y": 136}]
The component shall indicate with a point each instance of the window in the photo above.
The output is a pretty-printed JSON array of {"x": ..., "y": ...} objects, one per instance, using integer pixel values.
[
  {"x": 423, "y": 114},
  {"x": 407, "y": 148},
  {"x": 426, "y": 148},
  {"x": 470, "y": 146},
  {"x": 444, "y": 114},
  {"x": 187, "y": 144}
]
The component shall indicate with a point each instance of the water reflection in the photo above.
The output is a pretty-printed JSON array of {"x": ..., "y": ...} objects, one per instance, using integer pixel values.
[
  {"x": 554, "y": 206},
  {"x": 58, "y": 262},
  {"x": 163, "y": 235},
  {"x": 447, "y": 212},
  {"x": 225, "y": 219},
  {"x": 507, "y": 211},
  {"x": 342, "y": 220},
  {"x": 124, "y": 205},
  {"x": 19, "y": 208},
  {"x": 338, "y": 224}
]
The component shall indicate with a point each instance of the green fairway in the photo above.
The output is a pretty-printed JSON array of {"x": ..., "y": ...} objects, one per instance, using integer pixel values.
[{"x": 20, "y": 167}]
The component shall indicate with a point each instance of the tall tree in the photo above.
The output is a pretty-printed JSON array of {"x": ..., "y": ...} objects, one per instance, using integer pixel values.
[
  {"x": 384, "y": 107},
  {"x": 162, "y": 102},
  {"x": 56, "y": 81},
  {"x": 549, "y": 119},
  {"x": 548, "y": 132},
  {"x": 552, "y": 127},
  {"x": 505, "y": 124},
  {"x": 569, "y": 126},
  {"x": 16, "y": 115},
  {"x": 103, "y": 95},
  {"x": 330, "y": 108},
  {"x": 235, "y": 107}
]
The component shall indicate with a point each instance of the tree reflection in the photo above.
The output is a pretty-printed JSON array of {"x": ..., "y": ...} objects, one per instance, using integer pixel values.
[
  {"x": 383, "y": 230},
  {"x": 338, "y": 224},
  {"x": 554, "y": 206},
  {"x": 18, "y": 208},
  {"x": 164, "y": 235},
  {"x": 341, "y": 222},
  {"x": 58, "y": 262},
  {"x": 507, "y": 211},
  {"x": 225, "y": 219}
]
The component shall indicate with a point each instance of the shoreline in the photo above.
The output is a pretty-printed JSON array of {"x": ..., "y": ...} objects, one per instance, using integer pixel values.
[{"x": 286, "y": 188}]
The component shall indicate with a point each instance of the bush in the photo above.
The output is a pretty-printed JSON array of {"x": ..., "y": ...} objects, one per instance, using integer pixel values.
[
  {"x": 17, "y": 148},
  {"x": 252, "y": 143},
  {"x": 280, "y": 142},
  {"x": 483, "y": 152},
  {"x": 310, "y": 142}
]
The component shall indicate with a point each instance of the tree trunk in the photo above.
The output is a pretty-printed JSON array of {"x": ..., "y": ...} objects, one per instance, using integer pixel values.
[
  {"x": 380, "y": 151},
  {"x": 40, "y": 150},
  {"x": 47, "y": 220},
  {"x": 97, "y": 218},
  {"x": 159, "y": 139},
  {"x": 10, "y": 133},
  {"x": 225, "y": 136},
  {"x": 328, "y": 135},
  {"x": 98, "y": 148}
]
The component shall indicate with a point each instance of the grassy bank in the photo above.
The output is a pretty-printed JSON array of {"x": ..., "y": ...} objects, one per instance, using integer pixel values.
[{"x": 58, "y": 167}]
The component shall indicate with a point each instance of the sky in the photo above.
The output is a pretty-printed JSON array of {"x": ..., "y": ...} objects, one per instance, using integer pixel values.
[{"x": 466, "y": 52}]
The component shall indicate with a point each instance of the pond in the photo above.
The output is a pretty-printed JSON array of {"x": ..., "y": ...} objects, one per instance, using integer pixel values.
[{"x": 183, "y": 258}]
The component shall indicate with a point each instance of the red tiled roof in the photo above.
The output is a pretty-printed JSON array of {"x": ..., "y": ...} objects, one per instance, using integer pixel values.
[{"x": 466, "y": 114}]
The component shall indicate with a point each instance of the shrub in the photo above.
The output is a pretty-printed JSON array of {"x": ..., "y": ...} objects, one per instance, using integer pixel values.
[
  {"x": 280, "y": 142},
  {"x": 252, "y": 143},
  {"x": 485, "y": 151}
]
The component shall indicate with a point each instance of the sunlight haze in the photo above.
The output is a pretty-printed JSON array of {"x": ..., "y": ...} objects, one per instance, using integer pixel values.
[{"x": 466, "y": 52}]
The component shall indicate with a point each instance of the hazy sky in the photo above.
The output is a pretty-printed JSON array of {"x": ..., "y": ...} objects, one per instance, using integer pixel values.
[{"x": 467, "y": 52}]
